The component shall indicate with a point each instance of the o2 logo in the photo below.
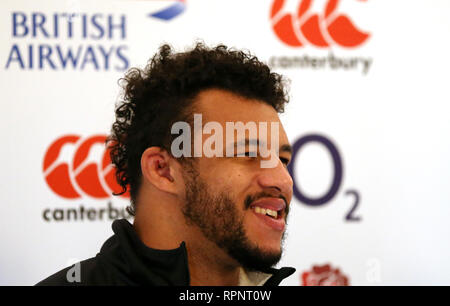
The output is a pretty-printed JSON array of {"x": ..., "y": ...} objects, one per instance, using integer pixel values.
[{"x": 337, "y": 176}]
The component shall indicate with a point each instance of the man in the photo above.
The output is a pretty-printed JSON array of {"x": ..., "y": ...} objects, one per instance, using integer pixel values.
[{"x": 199, "y": 218}]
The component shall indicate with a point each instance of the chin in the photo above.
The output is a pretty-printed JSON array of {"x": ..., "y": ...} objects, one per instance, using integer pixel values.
[
  {"x": 258, "y": 253},
  {"x": 268, "y": 245},
  {"x": 267, "y": 257},
  {"x": 266, "y": 239},
  {"x": 272, "y": 249}
]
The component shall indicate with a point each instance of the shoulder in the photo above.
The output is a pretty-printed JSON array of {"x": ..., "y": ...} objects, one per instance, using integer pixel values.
[{"x": 85, "y": 273}]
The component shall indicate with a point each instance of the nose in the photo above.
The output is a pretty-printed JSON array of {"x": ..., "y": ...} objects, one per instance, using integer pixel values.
[{"x": 277, "y": 178}]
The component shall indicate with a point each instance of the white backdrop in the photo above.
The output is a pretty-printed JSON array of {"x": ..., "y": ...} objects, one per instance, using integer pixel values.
[{"x": 390, "y": 125}]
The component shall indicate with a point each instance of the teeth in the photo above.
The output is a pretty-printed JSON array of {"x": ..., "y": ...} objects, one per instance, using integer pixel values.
[
  {"x": 272, "y": 213},
  {"x": 265, "y": 211}
]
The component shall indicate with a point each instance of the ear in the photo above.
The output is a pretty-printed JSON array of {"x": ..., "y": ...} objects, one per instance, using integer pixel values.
[{"x": 158, "y": 169}]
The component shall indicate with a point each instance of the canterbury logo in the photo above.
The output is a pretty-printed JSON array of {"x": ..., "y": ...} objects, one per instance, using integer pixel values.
[
  {"x": 82, "y": 175},
  {"x": 319, "y": 30}
]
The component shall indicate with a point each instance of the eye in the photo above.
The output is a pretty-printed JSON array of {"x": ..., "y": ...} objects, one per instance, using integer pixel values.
[
  {"x": 285, "y": 161},
  {"x": 251, "y": 154}
]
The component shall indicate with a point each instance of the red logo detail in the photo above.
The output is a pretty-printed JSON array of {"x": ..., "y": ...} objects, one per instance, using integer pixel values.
[
  {"x": 324, "y": 276},
  {"x": 319, "y": 30},
  {"x": 82, "y": 175}
]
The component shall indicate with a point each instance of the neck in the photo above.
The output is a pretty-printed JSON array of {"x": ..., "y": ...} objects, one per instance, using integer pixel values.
[
  {"x": 209, "y": 265},
  {"x": 163, "y": 227}
]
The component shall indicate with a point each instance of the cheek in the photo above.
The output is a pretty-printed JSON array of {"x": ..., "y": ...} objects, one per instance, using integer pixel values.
[
  {"x": 236, "y": 181},
  {"x": 232, "y": 185},
  {"x": 226, "y": 176},
  {"x": 216, "y": 182}
]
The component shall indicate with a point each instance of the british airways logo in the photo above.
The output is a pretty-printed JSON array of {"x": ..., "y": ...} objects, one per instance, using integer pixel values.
[
  {"x": 171, "y": 11},
  {"x": 63, "y": 41},
  {"x": 76, "y": 40}
]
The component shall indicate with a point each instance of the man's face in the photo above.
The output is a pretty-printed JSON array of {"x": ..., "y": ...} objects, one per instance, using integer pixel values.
[{"x": 226, "y": 197}]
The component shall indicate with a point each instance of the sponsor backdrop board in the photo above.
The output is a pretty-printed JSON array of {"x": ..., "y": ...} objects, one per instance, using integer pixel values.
[{"x": 368, "y": 118}]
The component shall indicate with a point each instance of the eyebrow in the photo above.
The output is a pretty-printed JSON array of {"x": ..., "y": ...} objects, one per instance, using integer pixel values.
[
  {"x": 286, "y": 148},
  {"x": 283, "y": 148},
  {"x": 246, "y": 142}
]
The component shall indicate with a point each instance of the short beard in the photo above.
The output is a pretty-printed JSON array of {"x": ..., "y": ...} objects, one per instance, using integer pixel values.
[{"x": 219, "y": 220}]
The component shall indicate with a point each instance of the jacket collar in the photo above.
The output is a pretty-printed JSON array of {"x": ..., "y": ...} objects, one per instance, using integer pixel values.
[{"x": 168, "y": 267}]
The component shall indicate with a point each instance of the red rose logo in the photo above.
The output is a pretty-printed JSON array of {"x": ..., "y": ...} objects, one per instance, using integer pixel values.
[{"x": 324, "y": 276}]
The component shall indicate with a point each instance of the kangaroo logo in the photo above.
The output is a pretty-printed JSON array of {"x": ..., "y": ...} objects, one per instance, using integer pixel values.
[
  {"x": 320, "y": 30},
  {"x": 93, "y": 178}
]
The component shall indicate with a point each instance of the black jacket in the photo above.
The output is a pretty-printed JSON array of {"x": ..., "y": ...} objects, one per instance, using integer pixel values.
[{"x": 125, "y": 260}]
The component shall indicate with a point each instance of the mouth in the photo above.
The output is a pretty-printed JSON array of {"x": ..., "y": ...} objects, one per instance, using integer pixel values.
[{"x": 271, "y": 211}]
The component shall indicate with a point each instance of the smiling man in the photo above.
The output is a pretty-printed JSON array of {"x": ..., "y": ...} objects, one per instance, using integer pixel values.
[{"x": 200, "y": 219}]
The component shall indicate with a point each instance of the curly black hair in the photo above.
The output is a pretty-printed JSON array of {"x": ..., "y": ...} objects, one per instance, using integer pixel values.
[{"x": 163, "y": 93}]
